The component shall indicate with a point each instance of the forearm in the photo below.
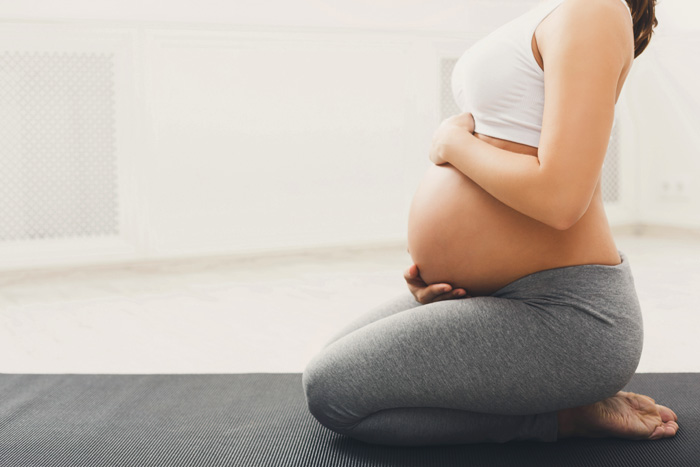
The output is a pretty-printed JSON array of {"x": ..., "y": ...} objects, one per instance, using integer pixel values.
[{"x": 517, "y": 180}]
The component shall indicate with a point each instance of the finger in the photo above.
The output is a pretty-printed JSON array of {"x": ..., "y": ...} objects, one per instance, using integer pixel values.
[
  {"x": 438, "y": 289},
  {"x": 412, "y": 272},
  {"x": 435, "y": 290},
  {"x": 411, "y": 275},
  {"x": 418, "y": 283},
  {"x": 457, "y": 293},
  {"x": 444, "y": 293},
  {"x": 453, "y": 295}
]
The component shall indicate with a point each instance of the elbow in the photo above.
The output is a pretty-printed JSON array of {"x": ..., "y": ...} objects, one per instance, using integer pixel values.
[
  {"x": 565, "y": 201},
  {"x": 564, "y": 217},
  {"x": 563, "y": 222}
]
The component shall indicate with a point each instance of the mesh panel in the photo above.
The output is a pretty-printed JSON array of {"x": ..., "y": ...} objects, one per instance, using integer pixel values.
[
  {"x": 448, "y": 107},
  {"x": 58, "y": 173},
  {"x": 610, "y": 179}
]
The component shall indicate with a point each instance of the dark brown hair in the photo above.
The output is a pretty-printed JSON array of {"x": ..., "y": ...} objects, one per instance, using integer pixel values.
[{"x": 645, "y": 21}]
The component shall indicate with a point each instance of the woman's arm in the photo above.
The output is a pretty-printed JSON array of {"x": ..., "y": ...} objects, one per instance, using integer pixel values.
[
  {"x": 583, "y": 61},
  {"x": 515, "y": 179}
]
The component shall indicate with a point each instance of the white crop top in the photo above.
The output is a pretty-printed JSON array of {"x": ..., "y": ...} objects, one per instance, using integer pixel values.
[{"x": 499, "y": 82}]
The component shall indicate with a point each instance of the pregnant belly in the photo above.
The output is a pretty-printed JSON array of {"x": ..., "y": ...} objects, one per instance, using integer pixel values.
[{"x": 460, "y": 234}]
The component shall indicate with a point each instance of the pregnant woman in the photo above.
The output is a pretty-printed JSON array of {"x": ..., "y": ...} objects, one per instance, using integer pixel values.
[{"x": 523, "y": 321}]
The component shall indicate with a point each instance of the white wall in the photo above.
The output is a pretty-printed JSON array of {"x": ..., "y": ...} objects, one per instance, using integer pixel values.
[
  {"x": 272, "y": 140},
  {"x": 437, "y": 16},
  {"x": 665, "y": 101}
]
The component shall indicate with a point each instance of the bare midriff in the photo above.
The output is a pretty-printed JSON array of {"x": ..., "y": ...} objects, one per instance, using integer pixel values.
[{"x": 461, "y": 235}]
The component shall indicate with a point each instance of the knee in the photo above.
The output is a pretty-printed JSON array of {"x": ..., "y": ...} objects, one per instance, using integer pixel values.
[{"x": 323, "y": 398}]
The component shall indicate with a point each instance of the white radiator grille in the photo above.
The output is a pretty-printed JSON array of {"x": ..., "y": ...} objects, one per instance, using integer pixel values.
[
  {"x": 610, "y": 179},
  {"x": 610, "y": 182},
  {"x": 58, "y": 175},
  {"x": 448, "y": 106}
]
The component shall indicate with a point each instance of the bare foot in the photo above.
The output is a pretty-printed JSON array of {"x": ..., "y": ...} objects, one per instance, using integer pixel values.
[{"x": 624, "y": 415}]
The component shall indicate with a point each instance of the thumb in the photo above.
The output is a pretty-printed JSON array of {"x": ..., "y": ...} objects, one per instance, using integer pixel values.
[{"x": 412, "y": 274}]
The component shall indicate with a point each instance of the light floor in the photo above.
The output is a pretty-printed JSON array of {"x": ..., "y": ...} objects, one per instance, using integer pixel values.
[{"x": 272, "y": 314}]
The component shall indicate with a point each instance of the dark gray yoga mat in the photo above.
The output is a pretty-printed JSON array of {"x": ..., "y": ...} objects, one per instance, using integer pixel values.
[{"x": 260, "y": 419}]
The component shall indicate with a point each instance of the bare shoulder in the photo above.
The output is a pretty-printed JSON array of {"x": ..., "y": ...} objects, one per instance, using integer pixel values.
[
  {"x": 593, "y": 14},
  {"x": 600, "y": 25}
]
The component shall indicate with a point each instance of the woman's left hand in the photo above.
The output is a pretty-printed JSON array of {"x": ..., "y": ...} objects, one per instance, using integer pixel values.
[
  {"x": 429, "y": 293},
  {"x": 457, "y": 124}
]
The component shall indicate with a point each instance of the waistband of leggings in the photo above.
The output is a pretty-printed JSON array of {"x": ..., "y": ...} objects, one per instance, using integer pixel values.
[{"x": 596, "y": 279}]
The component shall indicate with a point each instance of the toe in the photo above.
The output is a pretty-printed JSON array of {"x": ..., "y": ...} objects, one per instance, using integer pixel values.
[
  {"x": 667, "y": 414},
  {"x": 669, "y": 430},
  {"x": 666, "y": 430},
  {"x": 658, "y": 433},
  {"x": 672, "y": 428}
]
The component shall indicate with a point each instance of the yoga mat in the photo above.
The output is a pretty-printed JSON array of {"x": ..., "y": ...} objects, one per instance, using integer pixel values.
[{"x": 261, "y": 419}]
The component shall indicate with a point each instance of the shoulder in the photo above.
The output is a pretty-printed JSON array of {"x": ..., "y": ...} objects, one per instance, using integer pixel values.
[
  {"x": 596, "y": 22},
  {"x": 588, "y": 27},
  {"x": 606, "y": 14}
]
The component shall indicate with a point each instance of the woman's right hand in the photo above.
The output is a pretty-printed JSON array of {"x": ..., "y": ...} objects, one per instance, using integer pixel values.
[{"x": 425, "y": 293}]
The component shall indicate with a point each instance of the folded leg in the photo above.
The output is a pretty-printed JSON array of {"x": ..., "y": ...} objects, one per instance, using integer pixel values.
[{"x": 455, "y": 372}]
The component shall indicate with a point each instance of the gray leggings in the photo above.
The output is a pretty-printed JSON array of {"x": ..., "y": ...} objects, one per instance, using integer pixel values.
[{"x": 483, "y": 369}]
